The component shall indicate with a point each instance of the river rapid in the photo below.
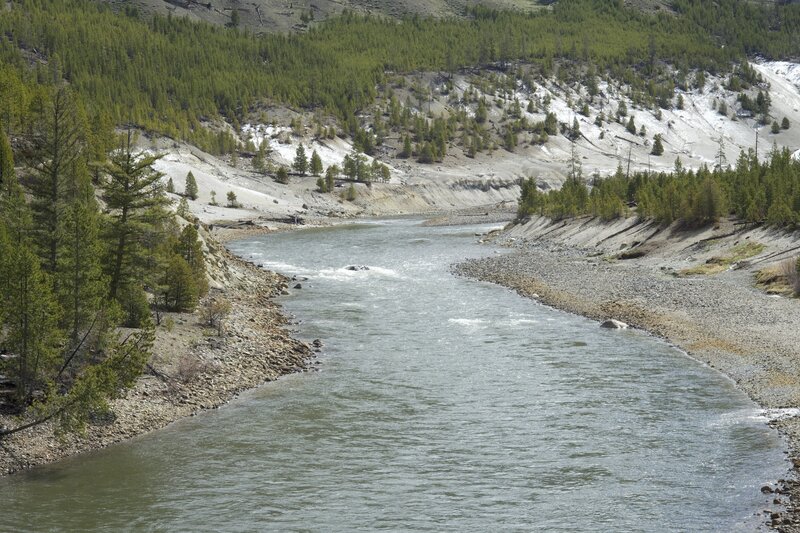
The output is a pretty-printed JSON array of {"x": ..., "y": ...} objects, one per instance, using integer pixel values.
[{"x": 440, "y": 403}]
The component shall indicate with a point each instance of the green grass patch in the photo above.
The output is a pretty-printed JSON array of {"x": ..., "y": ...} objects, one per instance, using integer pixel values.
[{"x": 718, "y": 264}]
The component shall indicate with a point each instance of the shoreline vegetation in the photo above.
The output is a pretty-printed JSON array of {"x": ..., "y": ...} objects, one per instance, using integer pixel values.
[
  {"x": 718, "y": 317},
  {"x": 193, "y": 368}
]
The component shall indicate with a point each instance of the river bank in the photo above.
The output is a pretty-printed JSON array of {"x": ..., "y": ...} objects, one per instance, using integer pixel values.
[
  {"x": 192, "y": 369},
  {"x": 721, "y": 320}
]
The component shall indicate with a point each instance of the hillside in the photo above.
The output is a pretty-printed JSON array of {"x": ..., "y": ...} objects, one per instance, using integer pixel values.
[{"x": 261, "y": 16}]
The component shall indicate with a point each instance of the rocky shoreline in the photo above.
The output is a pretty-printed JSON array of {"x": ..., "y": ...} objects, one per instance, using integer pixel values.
[
  {"x": 192, "y": 368},
  {"x": 722, "y": 321}
]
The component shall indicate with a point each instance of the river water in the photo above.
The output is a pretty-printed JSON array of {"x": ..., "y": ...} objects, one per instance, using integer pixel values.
[{"x": 441, "y": 404}]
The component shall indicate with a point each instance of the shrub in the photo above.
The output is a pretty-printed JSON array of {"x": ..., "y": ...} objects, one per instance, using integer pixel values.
[
  {"x": 790, "y": 269},
  {"x": 215, "y": 312}
]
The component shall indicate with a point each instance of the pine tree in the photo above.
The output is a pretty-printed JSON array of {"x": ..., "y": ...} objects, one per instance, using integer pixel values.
[
  {"x": 61, "y": 144},
  {"x": 631, "y": 126},
  {"x": 316, "y": 164},
  {"x": 282, "y": 175},
  {"x": 6, "y": 159},
  {"x": 426, "y": 153},
  {"x": 170, "y": 186},
  {"x": 32, "y": 330},
  {"x": 481, "y": 114},
  {"x": 81, "y": 285},
  {"x": 135, "y": 202},
  {"x": 190, "y": 188},
  {"x": 180, "y": 289},
  {"x": 259, "y": 160},
  {"x": 183, "y": 210},
  {"x": 330, "y": 177},
  {"x": 406, "y": 152},
  {"x": 14, "y": 213},
  {"x": 300, "y": 164},
  {"x": 232, "y": 201},
  {"x": 190, "y": 248},
  {"x": 658, "y": 147},
  {"x": 785, "y": 123},
  {"x": 575, "y": 130}
]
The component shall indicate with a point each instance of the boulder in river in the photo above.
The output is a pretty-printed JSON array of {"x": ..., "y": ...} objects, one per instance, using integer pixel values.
[
  {"x": 356, "y": 268},
  {"x": 614, "y": 324}
]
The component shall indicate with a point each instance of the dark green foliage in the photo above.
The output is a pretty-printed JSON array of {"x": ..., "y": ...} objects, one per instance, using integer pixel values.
[
  {"x": 631, "y": 126},
  {"x": 190, "y": 248},
  {"x": 658, "y": 146},
  {"x": 135, "y": 202},
  {"x": 190, "y": 189},
  {"x": 180, "y": 290},
  {"x": 754, "y": 191},
  {"x": 282, "y": 175},
  {"x": 300, "y": 163},
  {"x": 407, "y": 151},
  {"x": 232, "y": 200},
  {"x": 785, "y": 123},
  {"x": 330, "y": 177},
  {"x": 80, "y": 284},
  {"x": 168, "y": 73},
  {"x": 32, "y": 328},
  {"x": 316, "y": 164},
  {"x": 59, "y": 156},
  {"x": 776, "y": 128}
]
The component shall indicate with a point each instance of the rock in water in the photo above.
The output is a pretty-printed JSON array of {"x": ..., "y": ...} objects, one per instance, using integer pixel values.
[
  {"x": 356, "y": 268},
  {"x": 614, "y": 324},
  {"x": 298, "y": 286}
]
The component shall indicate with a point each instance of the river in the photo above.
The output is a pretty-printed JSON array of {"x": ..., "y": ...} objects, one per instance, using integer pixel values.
[{"x": 440, "y": 403}]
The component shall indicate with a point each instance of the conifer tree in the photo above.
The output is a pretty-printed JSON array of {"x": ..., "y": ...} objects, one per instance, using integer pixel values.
[
  {"x": 180, "y": 289},
  {"x": 32, "y": 330},
  {"x": 170, "y": 186},
  {"x": 316, "y": 164},
  {"x": 406, "y": 152},
  {"x": 135, "y": 202},
  {"x": 300, "y": 164},
  {"x": 14, "y": 213},
  {"x": 330, "y": 177},
  {"x": 232, "y": 201},
  {"x": 282, "y": 175},
  {"x": 81, "y": 285},
  {"x": 259, "y": 160},
  {"x": 658, "y": 147},
  {"x": 183, "y": 210},
  {"x": 631, "y": 126},
  {"x": 190, "y": 188},
  {"x": 61, "y": 142},
  {"x": 190, "y": 248}
]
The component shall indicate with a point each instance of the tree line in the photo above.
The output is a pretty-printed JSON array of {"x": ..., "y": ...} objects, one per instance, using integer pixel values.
[
  {"x": 88, "y": 248},
  {"x": 173, "y": 75},
  {"x": 757, "y": 192}
]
